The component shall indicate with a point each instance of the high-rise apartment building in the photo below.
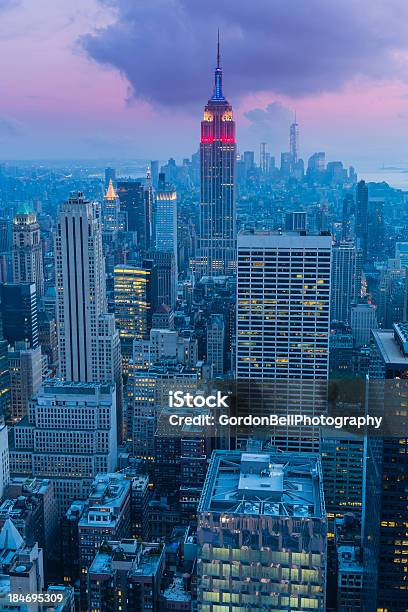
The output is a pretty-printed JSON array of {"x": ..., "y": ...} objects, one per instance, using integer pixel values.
[
  {"x": 217, "y": 207},
  {"x": 262, "y": 533},
  {"x": 27, "y": 251},
  {"x": 68, "y": 436}
]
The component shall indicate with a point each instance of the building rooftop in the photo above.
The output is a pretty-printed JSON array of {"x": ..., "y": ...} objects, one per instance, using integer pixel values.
[
  {"x": 176, "y": 591},
  {"x": 265, "y": 483},
  {"x": 389, "y": 347},
  {"x": 106, "y": 499}
]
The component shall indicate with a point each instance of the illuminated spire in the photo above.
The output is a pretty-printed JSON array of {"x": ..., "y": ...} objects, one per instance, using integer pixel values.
[
  {"x": 218, "y": 74},
  {"x": 111, "y": 193}
]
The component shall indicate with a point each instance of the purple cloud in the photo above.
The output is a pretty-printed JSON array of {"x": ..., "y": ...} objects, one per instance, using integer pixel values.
[{"x": 166, "y": 48}]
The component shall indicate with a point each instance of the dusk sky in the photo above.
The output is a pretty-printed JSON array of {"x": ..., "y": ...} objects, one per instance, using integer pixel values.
[{"x": 129, "y": 78}]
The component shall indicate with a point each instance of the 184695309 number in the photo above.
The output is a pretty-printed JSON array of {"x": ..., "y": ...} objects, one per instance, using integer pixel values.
[{"x": 38, "y": 598}]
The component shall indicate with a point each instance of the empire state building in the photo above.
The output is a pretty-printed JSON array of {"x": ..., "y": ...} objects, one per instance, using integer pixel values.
[{"x": 217, "y": 206}]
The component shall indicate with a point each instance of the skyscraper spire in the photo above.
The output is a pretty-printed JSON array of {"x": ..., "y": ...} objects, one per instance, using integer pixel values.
[{"x": 218, "y": 74}]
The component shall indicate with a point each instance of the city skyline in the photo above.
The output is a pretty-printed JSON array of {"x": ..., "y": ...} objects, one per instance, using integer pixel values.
[{"x": 83, "y": 98}]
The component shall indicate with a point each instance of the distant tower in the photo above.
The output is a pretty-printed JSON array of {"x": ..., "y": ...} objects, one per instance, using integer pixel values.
[
  {"x": 113, "y": 219},
  {"x": 27, "y": 251},
  {"x": 362, "y": 216},
  {"x": 165, "y": 218},
  {"x": 217, "y": 209},
  {"x": 294, "y": 142}
]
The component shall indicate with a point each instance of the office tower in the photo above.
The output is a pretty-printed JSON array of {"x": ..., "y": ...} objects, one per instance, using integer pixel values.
[
  {"x": 89, "y": 346},
  {"x": 294, "y": 143},
  {"x": 48, "y": 338},
  {"x": 390, "y": 363},
  {"x": 283, "y": 308},
  {"x": 363, "y": 319},
  {"x": 316, "y": 166},
  {"x": 342, "y": 455},
  {"x": 361, "y": 227},
  {"x": 164, "y": 279},
  {"x": 27, "y": 251},
  {"x": 347, "y": 221},
  {"x": 133, "y": 304},
  {"x": 126, "y": 575},
  {"x": 286, "y": 164},
  {"x": 139, "y": 513},
  {"x": 68, "y": 436},
  {"x": 296, "y": 221},
  {"x": 336, "y": 173},
  {"x": 341, "y": 351},
  {"x": 262, "y": 520},
  {"x": 110, "y": 175},
  {"x": 148, "y": 390},
  {"x": 19, "y": 312},
  {"x": 154, "y": 169},
  {"x": 25, "y": 367},
  {"x": 135, "y": 203},
  {"x": 113, "y": 219},
  {"x": 4, "y": 376},
  {"x": 264, "y": 160},
  {"x": 6, "y": 235},
  {"x": 376, "y": 228},
  {"x": 345, "y": 281},
  {"x": 216, "y": 344},
  {"x": 4, "y": 459},
  {"x": 165, "y": 219},
  {"x": 217, "y": 207}
]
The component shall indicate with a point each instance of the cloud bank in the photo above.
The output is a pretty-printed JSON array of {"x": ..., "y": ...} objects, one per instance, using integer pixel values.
[{"x": 166, "y": 48}]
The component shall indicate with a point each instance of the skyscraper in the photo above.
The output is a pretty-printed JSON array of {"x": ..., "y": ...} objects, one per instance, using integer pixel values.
[
  {"x": 346, "y": 280},
  {"x": 89, "y": 345},
  {"x": 294, "y": 143},
  {"x": 361, "y": 227},
  {"x": 27, "y": 251},
  {"x": 390, "y": 361},
  {"x": 283, "y": 305},
  {"x": 19, "y": 312},
  {"x": 135, "y": 203},
  {"x": 262, "y": 533},
  {"x": 81, "y": 293},
  {"x": 133, "y": 303},
  {"x": 283, "y": 312},
  {"x": 165, "y": 218},
  {"x": 68, "y": 436},
  {"x": 113, "y": 219},
  {"x": 217, "y": 208}
]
